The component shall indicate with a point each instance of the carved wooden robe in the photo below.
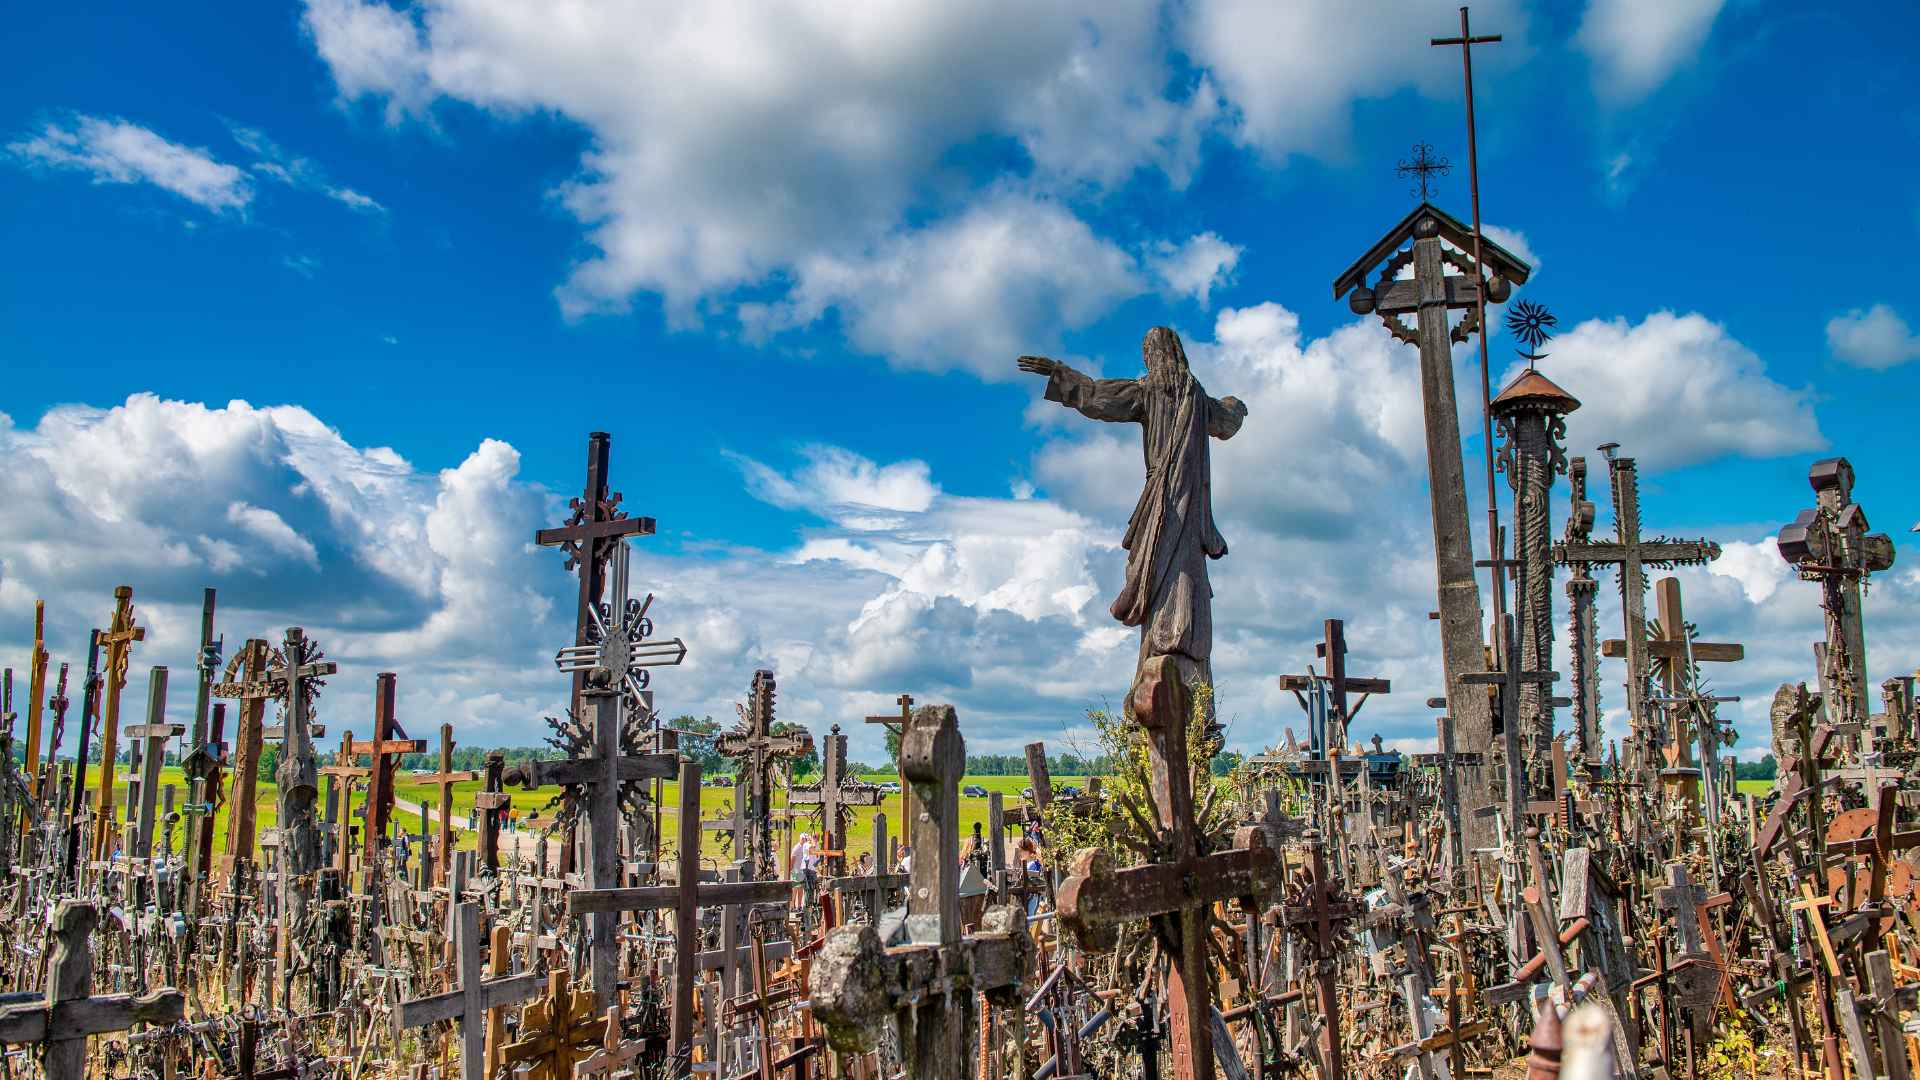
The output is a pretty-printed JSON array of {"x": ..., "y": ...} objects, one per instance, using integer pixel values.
[{"x": 1172, "y": 533}]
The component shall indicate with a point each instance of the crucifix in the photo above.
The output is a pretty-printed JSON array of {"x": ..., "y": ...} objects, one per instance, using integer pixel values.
[
  {"x": 340, "y": 783},
  {"x": 1634, "y": 556},
  {"x": 1829, "y": 544},
  {"x": 754, "y": 745},
  {"x": 475, "y": 999},
  {"x": 1314, "y": 909},
  {"x": 608, "y": 770},
  {"x": 492, "y": 801},
  {"x": 1176, "y": 890},
  {"x": 930, "y": 983},
  {"x": 444, "y": 780},
  {"x": 1439, "y": 241},
  {"x": 118, "y": 640},
  {"x": 836, "y": 795},
  {"x": 896, "y": 725}
]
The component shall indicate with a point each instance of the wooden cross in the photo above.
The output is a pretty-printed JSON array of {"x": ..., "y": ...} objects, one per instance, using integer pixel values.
[
  {"x": 1882, "y": 844},
  {"x": 753, "y": 744},
  {"x": 616, "y": 1055},
  {"x": 896, "y": 725},
  {"x": 556, "y": 1032},
  {"x": 836, "y": 795},
  {"x": 118, "y": 641},
  {"x": 67, "y": 1016},
  {"x": 685, "y": 898},
  {"x": 381, "y": 750},
  {"x": 604, "y": 776},
  {"x": 296, "y": 674},
  {"x": 588, "y": 539},
  {"x": 492, "y": 801},
  {"x": 874, "y": 885},
  {"x": 1509, "y": 680},
  {"x": 474, "y": 1001},
  {"x": 1336, "y": 684},
  {"x": 1583, "y": 653},
  {"x": 36, "y": 694},
  {"x": 1634, "y": 556},
  {"x": 1448, "y": 761},
  {"x": 445, "y": 779},
  {"x": 1560, "y": 808},
  {"x": 89, "y": 703},
  {"x": 1318, "y": 912},
  {"x": 252, "y": 689},
  {"x": 340, "y": 782},
  {"x": 1829, "y": 544},
  {"x": 156, "y": 731},
  {"x": 1182, "y": 886},
  {"x": 929, "y": 984},
  {"x": 201, "y": 763}
]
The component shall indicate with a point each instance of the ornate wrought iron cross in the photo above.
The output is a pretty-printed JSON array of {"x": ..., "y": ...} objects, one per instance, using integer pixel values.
[{"x": 1423, "y": 166}]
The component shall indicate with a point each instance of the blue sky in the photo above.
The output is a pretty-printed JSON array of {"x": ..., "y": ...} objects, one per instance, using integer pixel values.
[{"x": 787, "y": 257}]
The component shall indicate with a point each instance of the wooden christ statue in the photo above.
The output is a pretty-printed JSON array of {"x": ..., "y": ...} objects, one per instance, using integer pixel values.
[{"x": 1171, "y": 534}]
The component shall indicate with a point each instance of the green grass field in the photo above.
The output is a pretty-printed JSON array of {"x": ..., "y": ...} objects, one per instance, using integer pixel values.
[
  {"x": 715, "y": 803},
  {"x": 1755, "y": 788}
]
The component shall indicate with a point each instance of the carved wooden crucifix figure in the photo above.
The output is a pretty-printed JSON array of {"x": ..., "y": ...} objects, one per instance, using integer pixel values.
[
  {"x": 1172, "y": 533},
  {"x": 118, "y": 641}
]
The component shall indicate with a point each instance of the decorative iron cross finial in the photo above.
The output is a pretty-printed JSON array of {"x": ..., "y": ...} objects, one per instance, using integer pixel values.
[
  {"x": 1422, "y": 167},
  {"x": 1533, "y": 325}
]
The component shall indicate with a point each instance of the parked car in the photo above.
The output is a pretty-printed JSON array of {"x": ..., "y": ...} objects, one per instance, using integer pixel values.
[
  {"x": 1067, "y": 791},
  {"x": 974, "y": 790}
]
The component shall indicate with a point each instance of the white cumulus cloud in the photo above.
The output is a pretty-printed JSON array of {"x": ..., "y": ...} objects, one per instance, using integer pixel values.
[
  {"x": 1637, "y": 45},
  {"x": 1876, "y": 338}
]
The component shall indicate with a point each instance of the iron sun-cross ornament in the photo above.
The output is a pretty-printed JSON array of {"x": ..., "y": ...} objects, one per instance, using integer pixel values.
[
  {"x": 1533, "y": 324},
  {"x": 1422, "y": 166}
]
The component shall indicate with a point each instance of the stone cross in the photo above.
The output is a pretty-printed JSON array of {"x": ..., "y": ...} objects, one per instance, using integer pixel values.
[
  {"x": 928, "y": 984},
  {"x": 836, "y": 794},
  {"x": 1181, "y": 886},
  {"x": 754, "y": 745},
  {"x": 445, "y": 779},
  {"x": 67, "y": 1016},
  {"x": 118, "y": 640},
  {"x": 1429, "y": 295},
  {"x": 685, "y": 898},
  {"x": 1829, "y": 544},
  {"x": 475, "y": 999},
  {"x": 1634, "y": 556}
]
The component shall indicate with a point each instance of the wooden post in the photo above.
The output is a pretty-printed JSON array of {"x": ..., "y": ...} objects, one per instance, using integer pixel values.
[{"x": 118, "y": 641}]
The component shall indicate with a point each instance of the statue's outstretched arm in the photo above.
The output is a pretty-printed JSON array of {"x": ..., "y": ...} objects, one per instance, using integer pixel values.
[
  {"x": 1113, "y": 400},
  {"x": 1224, "y": 416}
]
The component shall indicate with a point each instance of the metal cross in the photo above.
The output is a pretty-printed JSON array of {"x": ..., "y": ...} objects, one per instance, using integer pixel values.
[{"x": 1423, "y": 166}]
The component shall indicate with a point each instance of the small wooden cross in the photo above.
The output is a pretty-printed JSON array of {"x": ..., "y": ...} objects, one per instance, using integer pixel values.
[
  {"x": 615, "y": 1054},
  {"x": 156, "y": 731},
  {"x": 473, "y": 1003},
  {"x": 557, "y": 1032},
  {"x": 444, "y": 780},
  {"x": 67, "y": 1016}
]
